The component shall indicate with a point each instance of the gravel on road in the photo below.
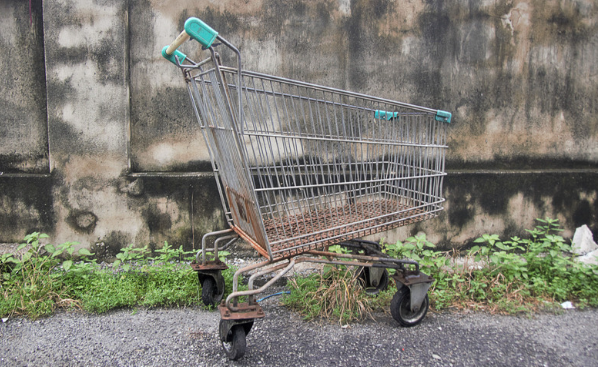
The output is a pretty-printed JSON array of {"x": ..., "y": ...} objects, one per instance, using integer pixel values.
[{"x": 188, "y": 337}]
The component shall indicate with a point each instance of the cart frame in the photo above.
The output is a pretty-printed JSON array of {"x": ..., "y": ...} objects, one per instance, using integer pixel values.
[{"x": 300, "y": 167}]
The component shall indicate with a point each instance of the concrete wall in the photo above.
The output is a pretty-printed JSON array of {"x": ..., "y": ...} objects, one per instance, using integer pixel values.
[{"x": 99, "y": 144}]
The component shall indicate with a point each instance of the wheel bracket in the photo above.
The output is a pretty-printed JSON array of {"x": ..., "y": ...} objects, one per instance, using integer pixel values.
[
  {"x": 418, "y": 293},
  {"x": 209, "y": 266},
  {"x": 418, "y": 284},
  {"x": 376, "y": 276},
  {"x": 246, "y": 312}
]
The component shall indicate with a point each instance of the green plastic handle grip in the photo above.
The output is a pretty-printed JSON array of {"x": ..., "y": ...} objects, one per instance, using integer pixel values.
[
  {"x": 386, "y": 115},
  {"x": 200, "y": 31},
  {"x": 443, "y": 116},
  {"x": 171, "y": 58},
  {"x": 194, "y": 28}
]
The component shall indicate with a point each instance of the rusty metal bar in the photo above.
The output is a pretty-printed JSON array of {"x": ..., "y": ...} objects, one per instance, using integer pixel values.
[
  {"x": 259, "y": 290},
  {"x": 382, "y": 260},
  {"x": 263, "y": 272},
  {"x": 246, "y": 269},
  {"x": 204, "y": 242},
  {"x": 216, "y": 247}
]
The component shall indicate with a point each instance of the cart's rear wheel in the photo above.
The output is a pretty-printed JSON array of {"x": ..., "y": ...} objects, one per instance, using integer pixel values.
[
  {"x": 400, "y": 308},
  {"x": 210, "y": 295},
  {"x": 373, "y": 286},
  {"x": 234, "y": 342}
]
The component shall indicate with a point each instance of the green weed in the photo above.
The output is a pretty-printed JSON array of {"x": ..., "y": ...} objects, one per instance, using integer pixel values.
[
  {"x": 46, "y": 277},
  {"x": 512, "y": 276},
  {"x": 32, "y": 283},
  {"x": 506, "y": 276}
]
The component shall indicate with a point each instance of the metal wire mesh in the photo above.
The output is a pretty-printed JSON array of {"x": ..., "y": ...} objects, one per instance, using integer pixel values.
[{"x": 302, "y": 166}]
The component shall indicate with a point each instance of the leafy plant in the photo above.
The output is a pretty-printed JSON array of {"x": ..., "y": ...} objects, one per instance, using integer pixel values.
[
  {"x": 32, "y": 282},
  {"x": 534, "y": 269},
  {"x": 48, "y": 276},
  {"x": 418, "y": 248},
  {"x": 511, "y": 276},
  {"x": 221, "y": 255},
  {"x": 338, "y": 249},
  {"x": 130, "y": 254}
]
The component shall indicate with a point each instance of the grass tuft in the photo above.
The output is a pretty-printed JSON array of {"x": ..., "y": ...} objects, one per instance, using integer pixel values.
[{"x": 332, "y": 295}]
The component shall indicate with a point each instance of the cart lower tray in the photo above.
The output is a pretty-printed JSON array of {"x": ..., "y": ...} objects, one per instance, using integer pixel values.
[{"x": 293, "y": 235}]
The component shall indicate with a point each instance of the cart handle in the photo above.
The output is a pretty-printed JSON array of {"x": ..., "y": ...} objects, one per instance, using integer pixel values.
[
  {"x": 442, "y": 116},
  {"x": 194, "y": 28},
  {"x": 386, "y": 115}
]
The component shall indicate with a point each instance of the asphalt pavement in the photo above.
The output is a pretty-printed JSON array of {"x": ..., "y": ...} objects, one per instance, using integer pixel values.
[{"x": 188, "y": 337}]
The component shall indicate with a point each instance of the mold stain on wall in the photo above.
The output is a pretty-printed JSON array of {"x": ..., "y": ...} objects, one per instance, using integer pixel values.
[
  {"x": 23, "y": 118},
  {"x": 26, "y": 206},
  {"x": 520, "y": 77}
]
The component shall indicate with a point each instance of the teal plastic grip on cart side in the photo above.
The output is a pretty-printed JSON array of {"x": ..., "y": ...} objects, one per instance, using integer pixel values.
[
  {"x": 171, "y": 58},
  {"x": 443, "y": 116},
  {"x": 200, "y": 31},
  {"x": 386, "y": 115}
]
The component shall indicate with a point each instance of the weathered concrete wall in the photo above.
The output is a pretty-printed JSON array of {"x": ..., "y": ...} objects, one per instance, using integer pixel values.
[
  {"x": 86, "y": 73},
  {"x": 124, "y": 160},
  {"x": 509, "y": 202},
  {"x": 23, "y": 126},
  {"x": 520, "y": 76}
]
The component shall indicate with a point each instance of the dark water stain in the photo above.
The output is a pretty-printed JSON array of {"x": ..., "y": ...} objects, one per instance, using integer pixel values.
[
  {"x": 224, "y": 21},
  {"x": 26, "y": 206},
  {"x": 63, "y": 135},
  {"x": 166, "y": 113},
  {"x": 492, "y": 192},
  {"x": 566, "y": 198},
  {"x": 25, "y": 163},
  {"x": 106, "y": 55},
  {"x": 23, "y": 100},
  {"x": 156, "y": 220},
  {"x": 519, "y": 162},
  {"x": 196, "y": 196},
  {"x": 82, "y": 221}
]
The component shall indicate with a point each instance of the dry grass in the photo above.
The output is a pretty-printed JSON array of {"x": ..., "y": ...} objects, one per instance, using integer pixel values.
[{"x": 334, "y": 295}]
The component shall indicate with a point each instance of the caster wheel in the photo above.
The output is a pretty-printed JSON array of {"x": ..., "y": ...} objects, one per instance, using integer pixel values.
[
  {"x": 365, "y": 279},
  {"x": 233, "y": 342},
  {"x": 400, "y": 308},
  {"x": 210, "y": 295}
]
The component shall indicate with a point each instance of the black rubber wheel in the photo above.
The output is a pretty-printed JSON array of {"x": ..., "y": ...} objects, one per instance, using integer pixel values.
[
  {"x": 364, "y": 277},
  {"x": 209, "y": 292},
  {"x": 400, "y": 308},
  {"x": 234, "y": 343}
]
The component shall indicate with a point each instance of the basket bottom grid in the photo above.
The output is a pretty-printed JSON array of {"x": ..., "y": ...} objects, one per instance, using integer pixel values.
[{"x": 296, "y": 234}]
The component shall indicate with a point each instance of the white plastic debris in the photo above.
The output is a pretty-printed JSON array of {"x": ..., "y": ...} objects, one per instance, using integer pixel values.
[
  {"x": 591, "y": 258},
  {"x": 567, "y": 305},
  {"x": 5, "y": 319},
  {"x": 583, "y": 241}
]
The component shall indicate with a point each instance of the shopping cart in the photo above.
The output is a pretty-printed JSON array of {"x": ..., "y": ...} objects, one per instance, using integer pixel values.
[{"x": 300, "y": 167}]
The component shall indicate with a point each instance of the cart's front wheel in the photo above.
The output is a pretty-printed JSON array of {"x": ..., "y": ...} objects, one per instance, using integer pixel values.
[
  {"x": 210, "y": 295},
  {"x": 234, "y": 342},
  {"x": 400, "y": 308},
  {"x": 370, "y": 285}
]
